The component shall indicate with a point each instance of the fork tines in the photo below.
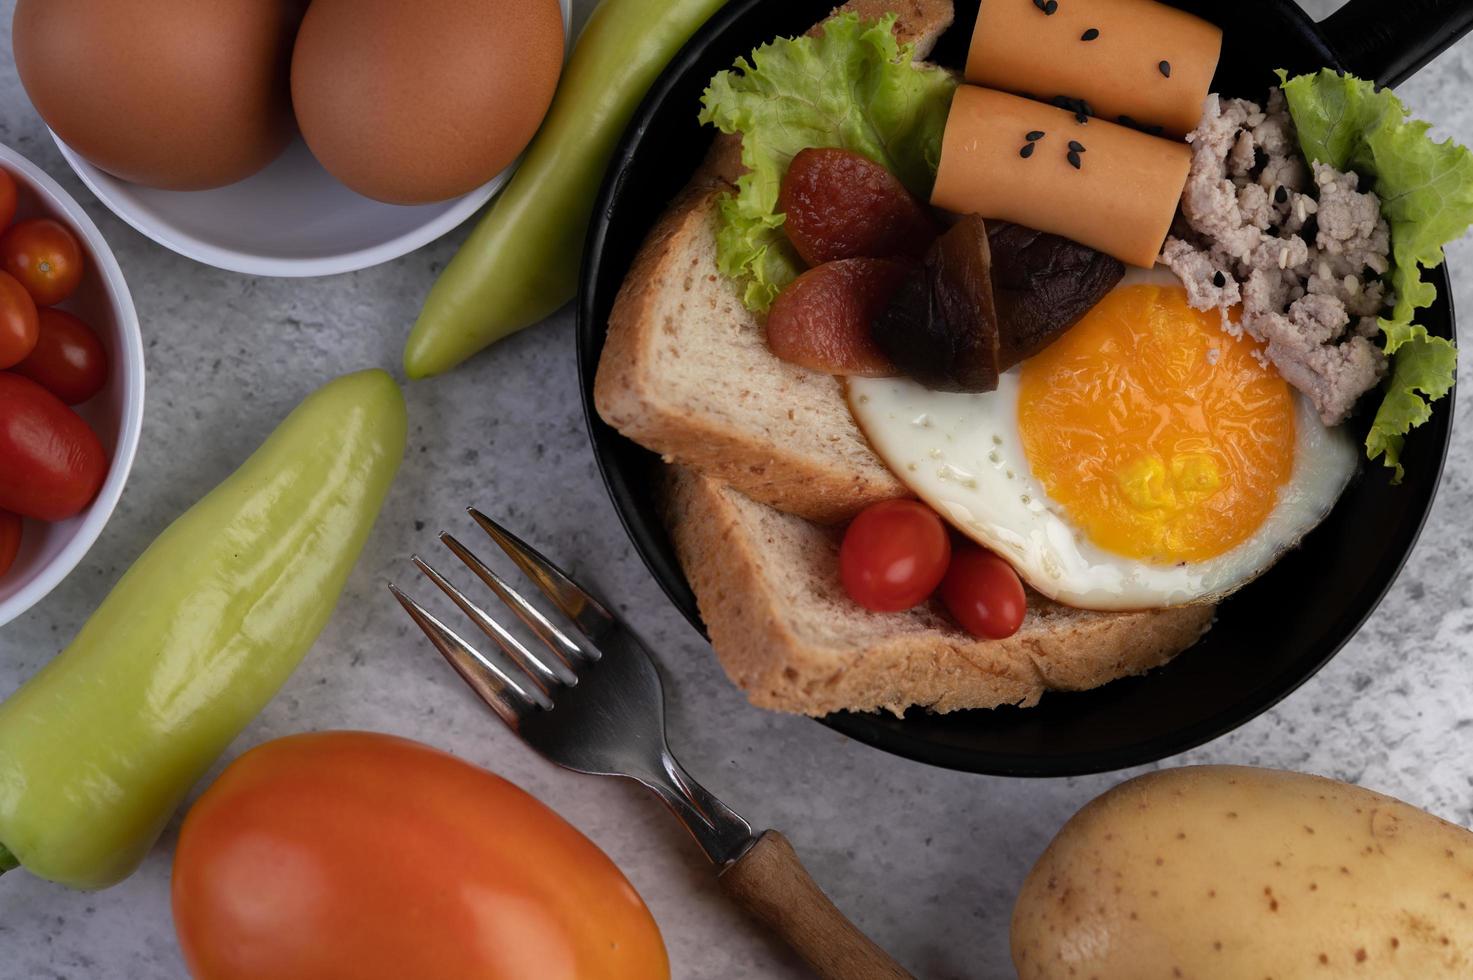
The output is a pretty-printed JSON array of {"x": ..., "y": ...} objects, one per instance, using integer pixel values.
[
  {"x": 512, "y": 693},
  {"x": 586, "y": 612}
]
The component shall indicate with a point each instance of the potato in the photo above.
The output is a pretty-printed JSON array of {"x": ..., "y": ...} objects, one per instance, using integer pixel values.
[{"x": 1228, "y": 871}]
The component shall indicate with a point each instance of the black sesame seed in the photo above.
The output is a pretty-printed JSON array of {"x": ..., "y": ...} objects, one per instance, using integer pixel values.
[
  {"x": 1165, "y": 67},
  {"x": 1219, "y": 280},
  {"x": 1281, "y": 195},
  {"x": 1026, "y": 151},
  {"x": 1090, "y": 34},
  {"x": 1079, "y": 107},
  {"x": 1050, "y": 7},
  {"x": 1039, "y": 4},
  {"x": 1036, "y": 134},
  {"x": 1076, "y": 146},
  {"x": 1074, "y": 159},
  {"x": 1138, "y": 125}
]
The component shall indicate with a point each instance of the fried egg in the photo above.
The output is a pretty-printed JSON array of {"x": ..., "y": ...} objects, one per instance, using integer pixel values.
[{"x": 1145, "y": 459}]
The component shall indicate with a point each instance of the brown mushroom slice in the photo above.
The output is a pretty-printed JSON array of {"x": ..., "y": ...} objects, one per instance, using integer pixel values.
[
  {"x": 940, "y": 327},
  {"x": 987, "y": 296},
  {"x": 1042, "y": 285}
]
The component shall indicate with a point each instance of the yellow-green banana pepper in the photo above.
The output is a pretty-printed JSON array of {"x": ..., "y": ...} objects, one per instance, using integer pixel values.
[
  {"x": 99, "y": 748},
  {"x": 521, "y": 262}
]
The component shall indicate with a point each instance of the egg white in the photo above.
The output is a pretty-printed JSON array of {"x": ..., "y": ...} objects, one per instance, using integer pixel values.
[{"x": 963, "y": 454}]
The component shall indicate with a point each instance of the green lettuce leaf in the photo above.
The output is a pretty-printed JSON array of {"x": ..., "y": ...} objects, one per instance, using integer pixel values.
[
  {"x": 1422, "y": 371},
  {"x": 854, "y": 87},
  {"x": 1426, "y": 192}
]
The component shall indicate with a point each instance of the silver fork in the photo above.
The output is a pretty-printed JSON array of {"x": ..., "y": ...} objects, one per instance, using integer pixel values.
[{"x": 596, "y": 706}]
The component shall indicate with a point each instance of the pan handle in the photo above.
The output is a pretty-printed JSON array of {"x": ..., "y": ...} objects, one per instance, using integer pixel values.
[{"x": 1388, "y": 40}]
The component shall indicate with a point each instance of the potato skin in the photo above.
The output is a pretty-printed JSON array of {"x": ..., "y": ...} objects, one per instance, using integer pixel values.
[{"x": 1230, "y": 871}]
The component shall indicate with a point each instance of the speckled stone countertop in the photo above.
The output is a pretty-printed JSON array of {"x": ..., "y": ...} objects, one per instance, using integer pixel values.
[{"x": 926, "y": 860}]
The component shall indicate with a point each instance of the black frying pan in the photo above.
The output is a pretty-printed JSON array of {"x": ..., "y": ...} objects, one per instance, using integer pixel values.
[{"x": 1271, "y": 636}]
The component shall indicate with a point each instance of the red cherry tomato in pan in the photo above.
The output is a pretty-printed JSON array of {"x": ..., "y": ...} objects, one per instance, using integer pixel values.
[
  {"x": 51, "y": 463},
  {"x": 7, "y": 199},
  {"x": 894, "y": 555},
  {"x": 9, "y": 537},
  {"x": 18, "y": 322},
  {"x": 45, "y": 257},
  {"x": 983, "y": 593},
  {"x": 68, "y": 360}
]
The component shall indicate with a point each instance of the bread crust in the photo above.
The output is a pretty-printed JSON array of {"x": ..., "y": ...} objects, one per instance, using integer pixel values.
[
  {"x": 918, "y": 22},
  {"x": 785, "y": 632}
]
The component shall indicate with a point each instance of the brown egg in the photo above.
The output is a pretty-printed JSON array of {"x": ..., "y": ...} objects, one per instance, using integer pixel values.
[
  {"x": 410, "y": 102},
  {"x": 179, "y": 94}
]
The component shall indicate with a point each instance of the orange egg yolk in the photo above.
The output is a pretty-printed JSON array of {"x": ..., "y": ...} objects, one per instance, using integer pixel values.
[{"x": 1160, "y": 435}]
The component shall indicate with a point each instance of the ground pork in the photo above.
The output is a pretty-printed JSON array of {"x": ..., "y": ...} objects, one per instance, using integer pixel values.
[
  {"x": 1301, "y": 249},
  {"x": 1197, "y": 271}
]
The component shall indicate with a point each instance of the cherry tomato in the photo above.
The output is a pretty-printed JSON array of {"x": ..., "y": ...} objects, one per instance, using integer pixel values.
[
  {"x": 983, "y": 593},
  {"x": 894, "y": 555},
  {"x": 68, "y": 360},
  {"x": 349, "y": 854},
  {"x": 45, "y": 257},
  {"x": 51, "y": 463},
  {"x": 10, "y": 525},
  {"x": 19, "y": 324},
  {"x": 7, "y": 199}
]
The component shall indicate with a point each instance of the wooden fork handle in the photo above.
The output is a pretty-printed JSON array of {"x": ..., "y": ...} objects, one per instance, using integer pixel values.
[{"x": 771, "y": 883}]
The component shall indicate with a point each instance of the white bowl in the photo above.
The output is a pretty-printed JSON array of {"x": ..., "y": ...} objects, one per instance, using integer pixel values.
[
  {"x": 49, "y": 552},
  {"x": 290, "y": 219}
]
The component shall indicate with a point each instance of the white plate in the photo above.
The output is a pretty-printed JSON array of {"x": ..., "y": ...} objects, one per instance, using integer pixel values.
[{"x": 290, "y": 219}]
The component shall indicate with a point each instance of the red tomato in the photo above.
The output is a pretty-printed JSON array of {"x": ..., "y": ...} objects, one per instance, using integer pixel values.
[
  {"x": 983, "y": 593},
  {"x": 68, "y": 360},
  {"x": 18, "y": 321},
  {"x": 51, "y": 463},
  {"x": 45, "y": 257},
  {"x": 354, "y": 855},
  {"x": 10, "y": 525},
  {"x": 894, "y": 555},
  {"x": 7, "y": 198}
]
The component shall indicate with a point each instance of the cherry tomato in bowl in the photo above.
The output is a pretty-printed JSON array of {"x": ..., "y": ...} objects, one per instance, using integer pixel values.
[
  {"x": 51, "y": 462},
  {"x": 53, "y": 550},
  {"x": 350, "y": 854},
  {"x": 19, "y": 324},
  {"x": 894, "y": 555},
  {"x": 68, "y": 359},
  {"x": 10, "y": 530},
  {"x": 983, "y": 593},
  {"x": 44, "y": 255},
  {"x": 8, "y": 199}
]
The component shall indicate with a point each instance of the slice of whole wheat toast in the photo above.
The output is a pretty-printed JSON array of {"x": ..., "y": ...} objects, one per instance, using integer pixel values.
[
  {"x": 768, "y": 588},
  {"x": 686, "y": 370}
]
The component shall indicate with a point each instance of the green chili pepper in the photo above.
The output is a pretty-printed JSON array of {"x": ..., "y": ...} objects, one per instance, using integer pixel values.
[
  {"x": 100, "y": 747},
  {"x": 521, "y": 262}
]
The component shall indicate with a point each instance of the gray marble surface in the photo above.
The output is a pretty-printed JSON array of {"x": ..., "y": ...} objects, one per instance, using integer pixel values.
[{"x": 926, "y": 860}]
